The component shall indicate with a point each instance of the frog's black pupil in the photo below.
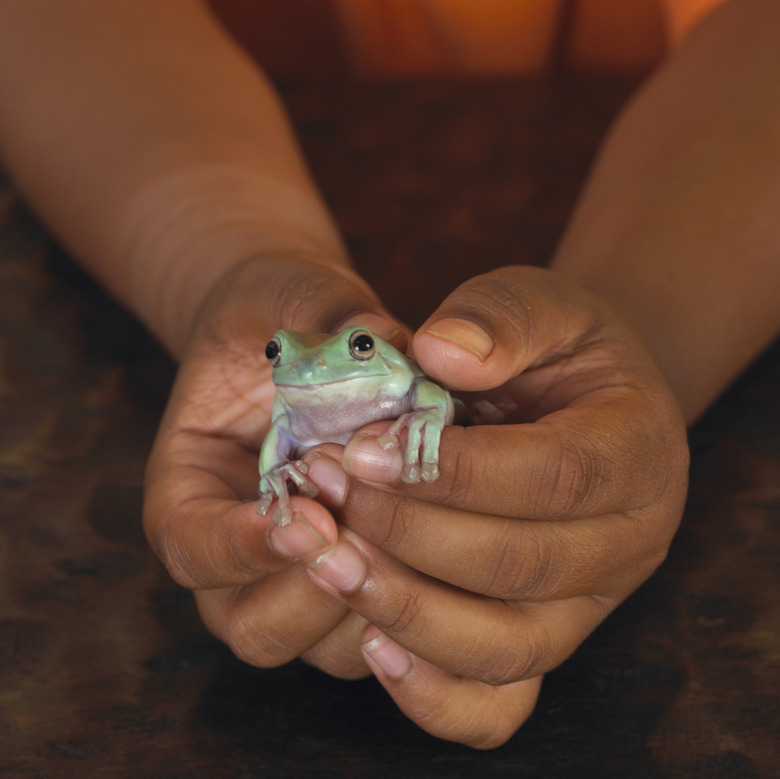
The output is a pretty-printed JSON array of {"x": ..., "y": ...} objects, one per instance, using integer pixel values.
[
  {"x": 272, "y": 350},
  {"x": 363, "y": 343}
]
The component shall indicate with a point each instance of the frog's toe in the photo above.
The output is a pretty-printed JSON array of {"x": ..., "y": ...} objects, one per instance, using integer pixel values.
[
  {"x": 388, "y": 441},
  {"x": 411, "y": 473},
  {"x": 264, "y": 504},
  {"x": 308, "y": 489},
  {"x": 429, "y": 471},
  {"x": 282, "y": 516},
  {"x": 296, "y": 471}
]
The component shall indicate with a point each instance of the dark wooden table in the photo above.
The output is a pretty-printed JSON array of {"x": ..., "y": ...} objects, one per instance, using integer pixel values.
[{"x": 105, "y": 669}]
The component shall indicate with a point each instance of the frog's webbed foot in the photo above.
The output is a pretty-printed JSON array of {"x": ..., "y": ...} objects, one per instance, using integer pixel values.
[
  {"x": 421, "y": 458},
  {"x": 273, "y": 486}
]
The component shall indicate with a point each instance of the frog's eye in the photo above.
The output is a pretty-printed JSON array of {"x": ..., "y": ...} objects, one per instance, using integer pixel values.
[
  {"x": 361, "y": 345},
  {"x": 273, "y": 351}
]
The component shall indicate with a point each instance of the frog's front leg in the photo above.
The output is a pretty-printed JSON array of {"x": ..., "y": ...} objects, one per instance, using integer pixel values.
[
  {"x": 277, "y": 469},
  {"x": 432, "y": 410}
]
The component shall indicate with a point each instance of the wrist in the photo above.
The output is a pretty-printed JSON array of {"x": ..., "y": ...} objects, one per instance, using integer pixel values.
[
  {"x": 667, "y": 327},
  {"x": 184, "y": 233}
]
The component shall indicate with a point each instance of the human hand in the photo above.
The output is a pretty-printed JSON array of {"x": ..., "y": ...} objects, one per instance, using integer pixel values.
[
  {"x": 201, "y": 484},
  {"x": 477, "y": 584}
]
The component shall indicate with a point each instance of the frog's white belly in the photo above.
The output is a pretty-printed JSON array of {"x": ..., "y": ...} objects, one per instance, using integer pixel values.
[{"x": 314, "y": 420}]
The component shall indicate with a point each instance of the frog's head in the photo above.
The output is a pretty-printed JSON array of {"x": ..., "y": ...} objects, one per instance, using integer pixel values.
[{"x": 316, "y": 359}]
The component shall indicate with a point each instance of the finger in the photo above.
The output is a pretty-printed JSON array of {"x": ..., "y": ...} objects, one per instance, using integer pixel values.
[
  {"x": 607, "y": 455},
  {"x": 308, "y": 296},
  {"x": 273, "y": 621},
  {"x": 285, "y": 617},
  {"x": 507, "y": 558},
  {"x": 501, "y": 557},
  {"x": 445, "y": 705},
  {"x": 466, "y": 634},
  {"x": 206, "y": 535}
]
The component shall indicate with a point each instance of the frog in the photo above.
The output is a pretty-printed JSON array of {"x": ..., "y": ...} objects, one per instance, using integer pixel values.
[{"x": 327, "y": 386}]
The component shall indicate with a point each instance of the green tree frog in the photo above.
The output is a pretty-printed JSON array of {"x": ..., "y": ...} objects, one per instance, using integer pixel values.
[{"x": 328, "y": 386}]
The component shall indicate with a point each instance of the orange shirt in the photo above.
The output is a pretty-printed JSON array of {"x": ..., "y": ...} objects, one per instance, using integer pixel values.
[{"x": 379, "y": 38}]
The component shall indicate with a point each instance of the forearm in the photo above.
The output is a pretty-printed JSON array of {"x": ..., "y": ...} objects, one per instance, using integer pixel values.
[
  {"x": 153, "y": 148},
  {"x": 678, "y": 224}
]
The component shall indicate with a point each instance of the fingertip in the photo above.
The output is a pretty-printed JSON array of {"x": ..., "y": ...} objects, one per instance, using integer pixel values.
[
  {"x": 460, "y": 354},
  {"x": 364, "y": 458},
  {"x": 384, "y": 656},
  {"x": 307, "y": 534},
  {"x": 326, "y": 471},
  {"x": 309, "y": 519}
]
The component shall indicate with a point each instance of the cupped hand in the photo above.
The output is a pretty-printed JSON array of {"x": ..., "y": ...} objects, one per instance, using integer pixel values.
[
  {"x": 546, "y": 515},
  {"x": 201, "y": 483}
]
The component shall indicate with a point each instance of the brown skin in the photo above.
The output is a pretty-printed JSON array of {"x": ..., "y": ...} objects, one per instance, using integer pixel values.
[{"x": 553, "y": 518}]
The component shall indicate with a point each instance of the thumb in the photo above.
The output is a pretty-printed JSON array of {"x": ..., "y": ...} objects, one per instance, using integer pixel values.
[
  {"x": 501, "y": 323},
  {"x": 271, "y": 292}
]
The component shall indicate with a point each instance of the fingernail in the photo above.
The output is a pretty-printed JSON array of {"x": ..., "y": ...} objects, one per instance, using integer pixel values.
[
  {"x": 392, "y": 659},
  {"x": 298, "y": 539},
  {"x": 463, "y": 333},
  {"x": 366, "y": 459},
  {"x": 342, "y": 567},
  {"x": 329, "y": 477}
]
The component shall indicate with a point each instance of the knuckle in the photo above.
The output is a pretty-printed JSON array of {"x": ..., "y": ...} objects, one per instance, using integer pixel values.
[
  {"x": 406, "y": 617},
  {"x": 520, "y": 661},
  {"x": 462, "y": 473},
  {"x": 582, "y": 471},
  {"x": 462, "y": 465},
  {"x": 173, "y": 556},
  {"x": 523, "y": 567},
  {"x": 503, "y": 654},
  {"x": 398, "y": 517},
  {"x": 528, "y": 650},
  {"x": 570, "y": 476}
]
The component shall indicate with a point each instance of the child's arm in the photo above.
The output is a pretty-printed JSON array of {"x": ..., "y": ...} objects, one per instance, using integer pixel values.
[
  {"x": 153, "y": 148},
  {"x": 678, "y": 227}
]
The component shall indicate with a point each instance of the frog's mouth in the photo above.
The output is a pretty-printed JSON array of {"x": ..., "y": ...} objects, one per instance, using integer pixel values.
[
  {"x": 307, "y": 387},
  {"x": 319, "y": 384}
]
